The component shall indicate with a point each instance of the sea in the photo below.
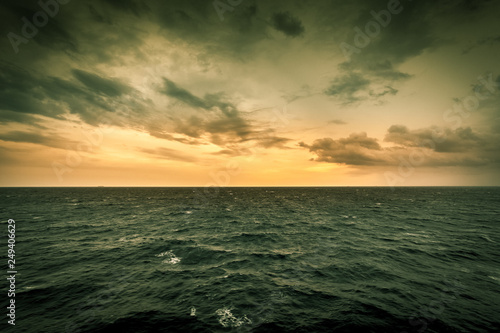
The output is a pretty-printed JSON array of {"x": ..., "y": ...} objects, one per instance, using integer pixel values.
[{"x": 253, "y": 259}]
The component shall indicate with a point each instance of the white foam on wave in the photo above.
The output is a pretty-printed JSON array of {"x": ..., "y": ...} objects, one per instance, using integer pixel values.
[
  {"x": 487, "y": 238},
  {"x": 497, "y": 279},
  {"x": 170, "y": 257},
  {"x": 227, "y": 319}
]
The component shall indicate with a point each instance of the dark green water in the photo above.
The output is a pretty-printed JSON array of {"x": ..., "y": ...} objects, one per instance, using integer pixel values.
[{"x": 255, "y": 259}]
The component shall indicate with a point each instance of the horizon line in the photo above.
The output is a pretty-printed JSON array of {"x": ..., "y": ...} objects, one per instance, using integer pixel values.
[{"x": 240, "y": 186}]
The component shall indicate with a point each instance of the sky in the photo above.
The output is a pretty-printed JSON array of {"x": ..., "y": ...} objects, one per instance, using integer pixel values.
[{"x": 249, "y": 93}]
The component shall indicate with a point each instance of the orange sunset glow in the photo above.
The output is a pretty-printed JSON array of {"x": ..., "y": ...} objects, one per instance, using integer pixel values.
[{"x": 280, "y": 94}]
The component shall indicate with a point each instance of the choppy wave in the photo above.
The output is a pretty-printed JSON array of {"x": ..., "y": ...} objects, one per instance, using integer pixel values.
[
  {"x": 227, "y": 319},
  {"x": 170, "y": 257},
  {"x": 257, "y": 260}
]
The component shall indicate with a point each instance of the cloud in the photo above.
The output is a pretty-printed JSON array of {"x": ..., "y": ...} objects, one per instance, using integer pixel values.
[
  {"x": 100, "y": 85},
  {"x": 264, "y": 139},
  {"x": 71, "y": 67},
  {"x": 337, "y": 122},
  {"x": 438, "y": 139},
  {"x": 168, "y": 154},
  {"x": 197, "y": 22},
  {"x": 348, "y": 86},
  {"x": 22, "y": 92},
  {"x": 170, "y": 137},
  {"x": 53, "y": 141},
  {"x": 171, "y": 89},
  {"x": 9, "y": 117},
  {"x": 267, "y": 139},
  {"x": 25, "y": 94},
  {"x": 233, "y": 125},
  {"x": 55, "y": 36},
  {"x": 208, "y": 102},
  {"x": 353, "y": 86},
  {"x": 490, "y": 40},
  {"x": 224, "y": 123},
  {"x": 387, "y": 90},
  {"x": 287, "y": 24},
  {"x": 357, "y": 149},
  {"x": 133, "y": 6},
  {"x": 222, "y": 126},
  {"x": 408, "y": 34},
  {"x": 90, "y": 96},
  {"x": 434, "y": 146}
]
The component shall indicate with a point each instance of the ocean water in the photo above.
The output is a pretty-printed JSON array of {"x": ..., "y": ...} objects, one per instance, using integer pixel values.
[{"x": 255, "y": 259}]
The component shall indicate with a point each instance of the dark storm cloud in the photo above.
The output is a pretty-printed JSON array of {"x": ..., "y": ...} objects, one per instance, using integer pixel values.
[
  {"x": 97, "y": 16},
  {"x": 16, "y": 117},
  {"x": 384, "y": 70},
  {"x": 287, "y": 24},
  {"x": 210, "y": 101},
  {"x": 97, "y": 33},
  {"x": 387, "y": 90},
  {"x": 195, "y": 21},
  {"x": 87, "y": 31},
  {"x": 28, "y": 92},
  {"x": 53, "y": 141},
  {"x": 136, "y": 7},
  {"x": 101, "y": 85},
  {"x": 489, "y": 41},
  {"x": 55, "y": 34},
  {"x": 407, "y": 34},
  {"x": 380, "y": 43},
  {"x": 346, "y": 87},
  {"x": 435, "y": 147},
  {"x": 379, "y": 52},
  {"x": 438, "y": 139},
  {"x": 171, "y": 89},
  {"x": 228, "y": 121},
  {"x": 357, "y": 149},
  {"x": 223, "y": 124},
  {"x": 23, "y": 92},
  {"x": 234, "y": 125}
]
